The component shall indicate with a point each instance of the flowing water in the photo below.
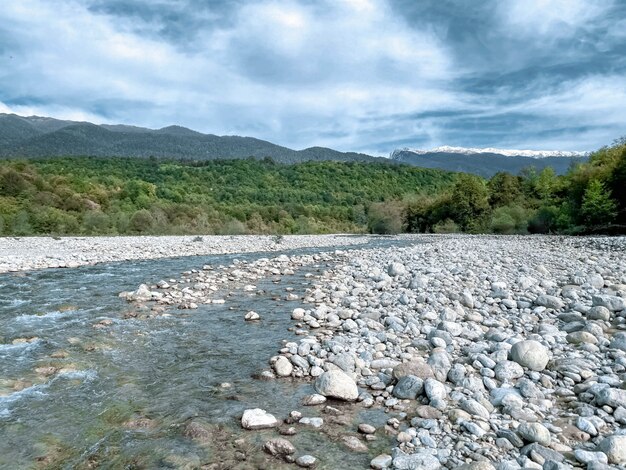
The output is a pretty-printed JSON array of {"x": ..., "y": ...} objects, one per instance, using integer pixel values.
[{"x": 73, "y": 395}]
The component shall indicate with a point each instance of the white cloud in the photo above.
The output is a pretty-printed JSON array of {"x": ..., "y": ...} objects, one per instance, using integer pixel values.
[
  {"x": 281, "y": 68},
  {"x": 551, "y": 17},
  {"x": 334, "y": 72}
]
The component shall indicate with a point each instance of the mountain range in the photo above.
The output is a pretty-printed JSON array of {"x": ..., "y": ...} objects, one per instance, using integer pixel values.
[
  {"x": 487, "y": 162},
  {"x": 35, "y": 136}
]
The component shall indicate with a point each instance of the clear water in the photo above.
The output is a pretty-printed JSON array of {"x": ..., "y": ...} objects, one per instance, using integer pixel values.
[{"x": 165, "y": 371}]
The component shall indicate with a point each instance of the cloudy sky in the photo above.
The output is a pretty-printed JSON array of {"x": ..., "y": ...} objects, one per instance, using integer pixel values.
[{"x": 362, "y": 75}]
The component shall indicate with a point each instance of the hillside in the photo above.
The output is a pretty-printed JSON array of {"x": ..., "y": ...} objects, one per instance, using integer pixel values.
[
  {"x": 32, "y": 137},
  {"x": 81, "y": 195}
]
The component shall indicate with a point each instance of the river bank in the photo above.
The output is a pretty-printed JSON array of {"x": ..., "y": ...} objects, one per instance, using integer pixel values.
[
  {"x": 485, "y": 352},
  {"x": 28, "y": 253}
]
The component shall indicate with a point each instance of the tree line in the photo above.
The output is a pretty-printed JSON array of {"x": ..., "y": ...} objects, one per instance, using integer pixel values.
[
  {"x": 120, "y": 196},
  {"x": 590, "y": 198}
]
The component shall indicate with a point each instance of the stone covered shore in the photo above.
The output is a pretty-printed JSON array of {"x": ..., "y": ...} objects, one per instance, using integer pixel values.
[
  {"x": 28, "y": 253},
  {"x": 486, "y": 352}
]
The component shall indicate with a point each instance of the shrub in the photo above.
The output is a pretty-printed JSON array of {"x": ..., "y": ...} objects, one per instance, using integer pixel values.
[
  {"x": 509, "y": 220},
  {"x": 446, "y": 226},
  {"x": 141, "y": 221},
  {"x": 385, "y": 218},
  {"x": 598, "y": 208}
]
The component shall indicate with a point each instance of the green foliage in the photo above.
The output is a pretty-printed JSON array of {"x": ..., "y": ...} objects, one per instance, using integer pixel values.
[
  {"x": 509, "y": 220},
  {"x": 93, "y": 196},
  {"x": 141, "y": 221},
  {"x": 89, "y": 196},
  {"x": 504, "y": 189},
  {"x": 544, "y": 220},
  {"x": 385, "y": 218},
  {"x": 591, "y": 197},
  {"x": 446, "y": 226},
  {"x": 597, "y": 206},
  {"x": 469, "y": 203}
]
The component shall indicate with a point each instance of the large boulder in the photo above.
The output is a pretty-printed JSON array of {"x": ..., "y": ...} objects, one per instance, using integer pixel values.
[
  {"x": 549, "y": 301},
  {"x": 612, "y": 302},
  {"x": 337, "y": 384},
  {"x": 530, "y": 354},
  {"x": 408, "y": 387},
  {"x": 534, "y": 432},
  {"x": 613, "y": 397},
  {"x": 283, "y": 366},
  {"x": 615, "y": 448},
  {"x": 416, "y": 367}
]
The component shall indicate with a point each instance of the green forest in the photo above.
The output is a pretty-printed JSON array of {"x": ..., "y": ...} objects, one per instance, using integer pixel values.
[
  {"x": 120, "y": 196},
  {"x": 97, "y": 196},
  {"x": 590, "y": 198}
]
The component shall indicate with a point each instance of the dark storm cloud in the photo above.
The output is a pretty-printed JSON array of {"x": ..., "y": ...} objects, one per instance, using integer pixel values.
[{"x": 363, "y": 75}]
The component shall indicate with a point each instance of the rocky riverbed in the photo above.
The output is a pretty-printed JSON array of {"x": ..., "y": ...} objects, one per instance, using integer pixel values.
[
  {"x": 28, "y": 253},
  {"x": 486, "y": 352}
]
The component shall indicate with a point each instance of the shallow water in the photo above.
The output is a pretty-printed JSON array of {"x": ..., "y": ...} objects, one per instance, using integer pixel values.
[{"x": 121, "y": 395}]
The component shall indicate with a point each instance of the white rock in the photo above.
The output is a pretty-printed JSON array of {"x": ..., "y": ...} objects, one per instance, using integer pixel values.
[
  {"x": 258, "y": 419},
  {"x": 337, "y": 384},
  {"x": 531, "y": 354},
  {"x": 283, "y": 367}
]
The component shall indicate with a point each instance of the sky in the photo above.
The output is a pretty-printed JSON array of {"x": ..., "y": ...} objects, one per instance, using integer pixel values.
[{"x": 354, "y": 75}]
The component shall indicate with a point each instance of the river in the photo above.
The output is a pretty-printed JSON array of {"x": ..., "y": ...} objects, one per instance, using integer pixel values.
[{"x": 94, "y": 385}]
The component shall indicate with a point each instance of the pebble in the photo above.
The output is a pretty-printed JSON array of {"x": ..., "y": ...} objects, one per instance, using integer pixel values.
[{"x": 480, "y": 349}]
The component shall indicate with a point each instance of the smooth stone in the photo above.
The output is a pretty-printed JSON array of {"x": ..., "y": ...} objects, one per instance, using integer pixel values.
[
  {"x": 408, "y": 387},
  {"x": 313, "y": 400},
  {"x": 313, "y": 422},
  {"x": 531, "y": 354},
  {"x": 258, "y": 419},
  {"x": 611, "y": 302},
  {"x": 354, "y": 444},
  {"x": 580, "y": 337},
  {"x": 612, "y": 397},
  {"x": 283, "y": 366},
  {"x": 618, "y": 341},
  {"x": 416, "y": 367},
  {"x": 367, "y": 428},
  {"x": 586, "y": 456},
  {"x": 421, "y": 460},
  {"x": 252, "y": 316},
  {"x": 381, "y": 462},
  {"x": 598, "y": 313},
  {"x": 279, "y": 447},
  {"x": 549, "y": 301},
  {"x": 508, "y": 370},
  {"x": 306, "y": 461},
  {"x": 337, "y": 384},
  {"x": 478, "y": 465},
  {"x": 435, "y": 390},
  {"x": 615, "y": 448},
  {"x": 534, "y": 432}
]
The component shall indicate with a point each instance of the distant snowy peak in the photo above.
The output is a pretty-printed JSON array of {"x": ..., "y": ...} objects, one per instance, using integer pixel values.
[{"x": 505, "y": 152}]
